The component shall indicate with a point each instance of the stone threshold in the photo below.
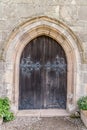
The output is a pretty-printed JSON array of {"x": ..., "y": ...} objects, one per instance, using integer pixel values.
[{"x": 43, "y": 113}]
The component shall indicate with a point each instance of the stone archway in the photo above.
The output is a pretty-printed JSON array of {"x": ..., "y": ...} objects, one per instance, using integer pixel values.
[{"x": 30, "y": 30}]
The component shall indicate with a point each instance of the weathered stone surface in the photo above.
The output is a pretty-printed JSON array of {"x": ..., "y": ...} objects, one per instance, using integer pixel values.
[
  {"x": 3, "y": 25},
  {"x": 3, "y": 35},
  {"x": 52, "y": 2},
  {"x": 52, "y": 11},
  {"x": 46, "y": 123},
  {"x": 25, "y": 10},
  {"x": 85, "y": 46},
  {"x": 22, "y": 1},
  {"x": 8, "y": 10},
  {"x": 73, "y": 2},
  {"x": 83, "y": 67},
  {"x": 69, "y": 14},
  {"x": 1, "y": 66},
  {"x": 85, "y": 53},
  {"x": 67, "y": 2},
  {"x": 84, "y": 77},
  {"x": 83, "y": 37},
  {"x": 81, "y": 2},
  {"x": 82, "y": 13}
]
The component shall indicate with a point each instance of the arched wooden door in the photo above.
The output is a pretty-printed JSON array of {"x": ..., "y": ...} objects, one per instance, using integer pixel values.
[{"x": 43, "y": 75}]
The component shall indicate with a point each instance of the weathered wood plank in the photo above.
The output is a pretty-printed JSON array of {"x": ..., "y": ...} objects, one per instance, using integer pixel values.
[{"x": 43, "y": 75}]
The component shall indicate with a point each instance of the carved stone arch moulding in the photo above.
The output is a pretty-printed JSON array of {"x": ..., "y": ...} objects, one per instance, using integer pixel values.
[{"x": 29, "y": 30}]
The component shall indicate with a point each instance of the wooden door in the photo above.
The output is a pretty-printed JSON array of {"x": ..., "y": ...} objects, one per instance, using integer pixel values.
[{"x": 43, "y": 75}]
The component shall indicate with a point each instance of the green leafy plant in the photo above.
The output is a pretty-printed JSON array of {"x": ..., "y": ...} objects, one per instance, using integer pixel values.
[
  {"x": 82, "y": 103},
  {"x": 5, "y": 112}
]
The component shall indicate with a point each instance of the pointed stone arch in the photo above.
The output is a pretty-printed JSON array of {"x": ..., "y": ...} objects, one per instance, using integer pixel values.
[{"x": 29, "y": 30}]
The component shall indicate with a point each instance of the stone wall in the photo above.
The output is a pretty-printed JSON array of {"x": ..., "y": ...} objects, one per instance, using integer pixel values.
[{"x": 72, "y": 12}]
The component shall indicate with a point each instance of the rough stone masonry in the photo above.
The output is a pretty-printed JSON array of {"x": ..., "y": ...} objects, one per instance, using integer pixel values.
[{"x": 71, "y": 12}]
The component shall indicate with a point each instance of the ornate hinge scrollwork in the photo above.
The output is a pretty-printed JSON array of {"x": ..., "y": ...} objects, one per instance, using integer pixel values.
[
  {"x": 58, "y": 65},
  {"x": 27, "y": 65}
]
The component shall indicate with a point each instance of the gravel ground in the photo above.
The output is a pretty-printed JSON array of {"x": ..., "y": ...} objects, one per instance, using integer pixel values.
[{"x": 45, "y": 123}]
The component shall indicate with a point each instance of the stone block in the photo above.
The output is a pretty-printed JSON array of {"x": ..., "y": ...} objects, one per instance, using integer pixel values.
[
  {"x": 52, "y": 2},
  {"x": 85, "y": 45},
  {"x": 33, "y": 2},
  {"x": 26, "y": 10},
  {"x": 69, "y": 14},
  {"x": 52, "y": 11},
  {"x": 81, "y": 2},
  {"x": 3, "y": 35},
  {"x": 7, "y": 10},
  {"x": 3, "y": 24},
  {"x": 2, "y": 90},
  {"x": 67, "y": 2},
  {"x": 82, "y": 13},
  {"x": 84, "y": 77},
  {"x": 80, "y": 29},
  {"x": 1, "y": 65},
  {"x": 16, "y": 1},
  {"x": 85, "y": 54},
  {"x": 83, "y": 36},
  {"x": 23, "y": 1},
  {"x": 39, "y": 10},
  {"x": 1, "y": 10},
  {"x": 8, "y": 76},
  {"x": 83, "y": 67}
]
